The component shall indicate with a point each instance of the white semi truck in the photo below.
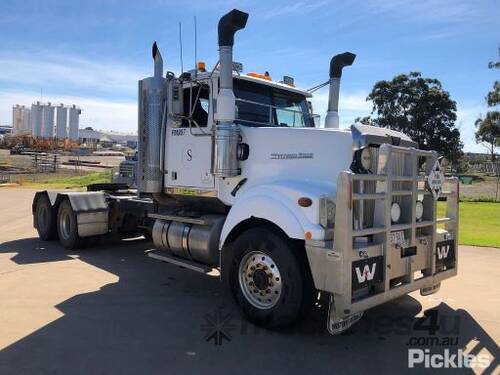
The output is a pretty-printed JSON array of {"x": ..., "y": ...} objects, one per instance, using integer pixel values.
[{"x": 233, "y": 174}]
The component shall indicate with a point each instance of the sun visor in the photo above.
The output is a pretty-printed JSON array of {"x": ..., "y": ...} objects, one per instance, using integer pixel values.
[{"x": 364, "y": 135}]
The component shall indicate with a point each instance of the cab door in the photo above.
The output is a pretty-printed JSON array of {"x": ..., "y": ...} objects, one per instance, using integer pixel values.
[{"x": 188, "y": 149}]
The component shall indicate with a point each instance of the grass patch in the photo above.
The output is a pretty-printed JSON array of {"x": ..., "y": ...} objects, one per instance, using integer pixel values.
[
  {"x": 65, "y": 182},
  {"x": 480, "y": 198},
  {"x": 479, "y": 223}
]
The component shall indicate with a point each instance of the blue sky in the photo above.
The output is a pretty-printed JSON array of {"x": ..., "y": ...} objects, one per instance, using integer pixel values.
[{"x": 92, "y": 53}]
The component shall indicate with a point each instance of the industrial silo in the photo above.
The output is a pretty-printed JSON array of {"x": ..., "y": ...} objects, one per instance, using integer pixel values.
[
  {"x": 61, "y": 122},
  {"x": 36, "y": 120},
  {"x": 17, "y": 118},
  {"x": 74, "y": 122},
  {"x": 26, "y": 126},
  {"x": 48, "y": 121}
]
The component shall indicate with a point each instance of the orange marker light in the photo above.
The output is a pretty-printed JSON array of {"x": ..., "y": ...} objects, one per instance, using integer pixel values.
[
  {"x": 265, "y": 76},
  {"x": 305, "y": 202},
  {"x": 202, "y": 66}
]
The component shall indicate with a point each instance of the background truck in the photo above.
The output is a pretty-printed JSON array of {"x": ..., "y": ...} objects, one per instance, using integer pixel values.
[{"x": 233, "y": 174}]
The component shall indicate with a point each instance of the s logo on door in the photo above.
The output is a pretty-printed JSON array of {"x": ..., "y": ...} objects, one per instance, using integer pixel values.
[{"x": 188, "y": 156}]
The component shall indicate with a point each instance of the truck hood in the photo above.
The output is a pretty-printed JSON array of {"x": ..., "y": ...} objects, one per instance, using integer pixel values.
[{"x": 311, "y": 155}]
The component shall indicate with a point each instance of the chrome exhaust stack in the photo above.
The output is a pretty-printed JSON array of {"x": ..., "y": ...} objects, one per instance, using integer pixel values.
[
  {"x": 158, "y": 61},
  {"x": 227, "y": 134},
  {"x": 149, "y": 176},
  {"x": 337, "y": 63}
]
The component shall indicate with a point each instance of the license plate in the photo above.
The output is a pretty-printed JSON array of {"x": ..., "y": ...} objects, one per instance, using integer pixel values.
[{"x": 397, "y": 238}]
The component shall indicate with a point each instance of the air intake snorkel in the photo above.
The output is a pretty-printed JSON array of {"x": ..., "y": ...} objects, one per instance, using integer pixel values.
[
  {"x": 337, "y": 63},
  {"x": 228, "y": 26},
  {"x": 226, "y": 132}
]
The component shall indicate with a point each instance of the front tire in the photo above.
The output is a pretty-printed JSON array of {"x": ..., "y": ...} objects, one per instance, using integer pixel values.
[
  {"x": 67, "y": 227},
  {"x": 269, "y": 278}
]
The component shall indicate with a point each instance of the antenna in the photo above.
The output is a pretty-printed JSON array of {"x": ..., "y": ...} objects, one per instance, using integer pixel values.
[
  {"x": 195, "y": 48},
  {"x": 180, "y": 46}
]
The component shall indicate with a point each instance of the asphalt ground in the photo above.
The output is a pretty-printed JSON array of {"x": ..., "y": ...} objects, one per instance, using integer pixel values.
[{"x": 113, "y": 310}]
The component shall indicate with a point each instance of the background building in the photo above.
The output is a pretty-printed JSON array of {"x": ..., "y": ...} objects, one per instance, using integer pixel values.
[{"x": 99, "y": 139}]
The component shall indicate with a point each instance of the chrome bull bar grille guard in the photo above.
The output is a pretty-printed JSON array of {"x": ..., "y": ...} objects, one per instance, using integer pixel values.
[{"x": 402, "y": 267}]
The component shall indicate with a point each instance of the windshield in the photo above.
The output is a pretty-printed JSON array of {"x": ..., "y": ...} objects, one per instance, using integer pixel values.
[{"x": 263, "y": 105}]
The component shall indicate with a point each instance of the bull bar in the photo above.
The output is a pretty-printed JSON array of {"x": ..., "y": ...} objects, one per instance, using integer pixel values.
[{"x": 401, "y": 271}]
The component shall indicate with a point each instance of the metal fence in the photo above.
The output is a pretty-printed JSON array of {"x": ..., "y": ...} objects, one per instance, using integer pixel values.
[{"x": 43, "y": 168}]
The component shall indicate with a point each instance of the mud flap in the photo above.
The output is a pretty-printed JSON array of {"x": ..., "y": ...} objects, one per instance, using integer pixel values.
[{"x": 336, "y": 325}]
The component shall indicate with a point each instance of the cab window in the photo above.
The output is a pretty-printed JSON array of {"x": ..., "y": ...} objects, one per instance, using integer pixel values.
[
  {"x": 252, "y": 104},
  {"x": 263, "y": 105},
  {"x": 198, "y": 108}
]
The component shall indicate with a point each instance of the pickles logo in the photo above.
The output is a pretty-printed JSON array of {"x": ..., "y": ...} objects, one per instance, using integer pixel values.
[{"x": 218, "y": 327}]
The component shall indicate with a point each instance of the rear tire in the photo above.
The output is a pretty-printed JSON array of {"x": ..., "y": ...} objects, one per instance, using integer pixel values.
[
  {"x": 46, "y": 220},
  {"x": 67, "y": 227},
  {"x": 270, "y": 279}
]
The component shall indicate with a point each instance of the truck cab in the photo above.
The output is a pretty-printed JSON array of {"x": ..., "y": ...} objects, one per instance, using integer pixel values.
[{"x": 259, "y": 103}]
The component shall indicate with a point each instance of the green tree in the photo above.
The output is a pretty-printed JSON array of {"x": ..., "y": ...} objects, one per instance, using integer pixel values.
[
  {"x": 493, "y": 97},
  {"x": 488, "y": 132},
  {"x": 420, "y": 108},
  {"x": 488, "y": 128}
]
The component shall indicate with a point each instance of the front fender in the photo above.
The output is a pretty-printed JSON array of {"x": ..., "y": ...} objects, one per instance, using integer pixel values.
[{"x": 277, "y": 204}]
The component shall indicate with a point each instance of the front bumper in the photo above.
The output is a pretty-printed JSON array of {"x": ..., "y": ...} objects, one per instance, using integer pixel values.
[{"x": 360, "y": 267}]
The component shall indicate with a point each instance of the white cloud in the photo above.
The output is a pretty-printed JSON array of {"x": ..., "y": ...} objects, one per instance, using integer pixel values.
[
  {"x": 37, "y": 69},
  {"x": 105, "y": 90},
  {"x": 301, "y": 7},
  {"x": 454, "y": 11},
  {"x": 96, "y": 112},
  {"x": 351, "y": 105},
  {"x": 467, "y": 114}
]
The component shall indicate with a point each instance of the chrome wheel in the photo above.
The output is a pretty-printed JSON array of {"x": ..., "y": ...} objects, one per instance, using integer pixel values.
[
  {"x": 260, "y": 280},
  {"x": 65, "y": 224}
]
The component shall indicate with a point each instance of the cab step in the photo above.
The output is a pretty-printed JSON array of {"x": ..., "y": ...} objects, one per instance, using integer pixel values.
[{"x": 194, "y": 266}]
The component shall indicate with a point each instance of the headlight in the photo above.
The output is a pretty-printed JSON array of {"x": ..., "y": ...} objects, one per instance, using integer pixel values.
[
  {"x": 395, "y": 212},
  {"x": 326, "y": 212},
  {"x": 419, "y": 210},
  {"x": 366, "y": 158},
  {"x": 362, "y": 160}
]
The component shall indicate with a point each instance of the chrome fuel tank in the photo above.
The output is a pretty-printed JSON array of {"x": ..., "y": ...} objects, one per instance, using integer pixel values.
[{"x": 198, "y": 242}]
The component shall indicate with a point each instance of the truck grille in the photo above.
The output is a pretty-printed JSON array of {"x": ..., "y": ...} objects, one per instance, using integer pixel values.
[
  {"x": 403, "y": 251},
  {"x": 127, "y": 168},
  {"x": 402, "y": 166}
]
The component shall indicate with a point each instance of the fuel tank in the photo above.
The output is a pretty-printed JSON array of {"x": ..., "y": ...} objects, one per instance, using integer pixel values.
[{"x": 197, "y": 240}]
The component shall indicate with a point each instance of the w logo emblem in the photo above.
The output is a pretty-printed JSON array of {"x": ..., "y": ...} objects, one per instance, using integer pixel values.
[
  {"x": 442, "y": 251},
  {"x": 367, "y": 273}
]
